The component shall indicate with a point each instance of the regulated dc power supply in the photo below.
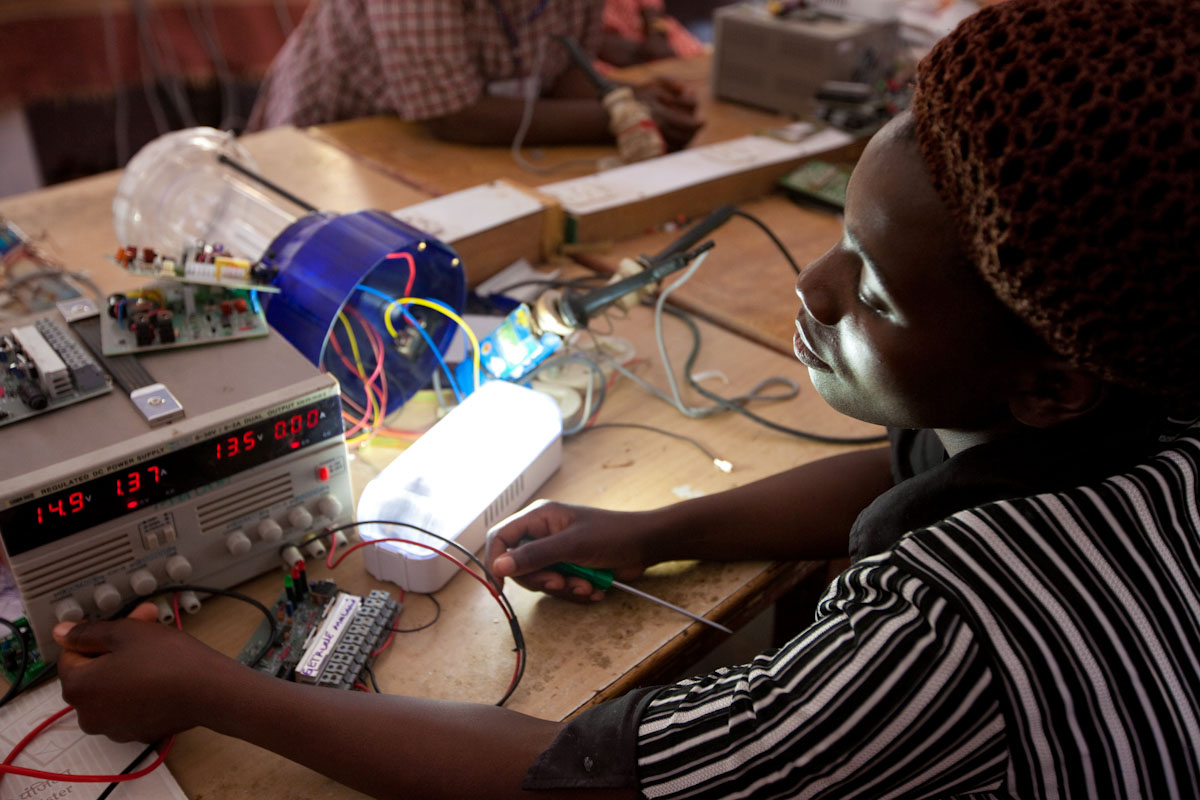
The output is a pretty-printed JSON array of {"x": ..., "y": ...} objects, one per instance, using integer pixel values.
[{"x": 97, "y": 507}]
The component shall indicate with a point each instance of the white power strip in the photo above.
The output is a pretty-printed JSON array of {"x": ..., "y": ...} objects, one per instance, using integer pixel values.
[{"x": 477, "y": 465}]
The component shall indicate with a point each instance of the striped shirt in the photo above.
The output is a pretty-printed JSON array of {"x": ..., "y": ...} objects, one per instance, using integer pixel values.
[{"x": 1040, "y": 647}]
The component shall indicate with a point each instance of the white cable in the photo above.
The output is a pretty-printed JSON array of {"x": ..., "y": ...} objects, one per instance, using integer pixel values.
[
  {"x": 532, "y": 91},
  {"x": 674, "y": 398}
]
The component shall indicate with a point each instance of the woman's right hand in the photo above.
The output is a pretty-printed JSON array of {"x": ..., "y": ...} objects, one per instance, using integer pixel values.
[{"x": 547, "y": 532}]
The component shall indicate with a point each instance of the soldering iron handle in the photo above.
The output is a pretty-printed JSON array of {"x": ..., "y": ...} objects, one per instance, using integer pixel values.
[
  {"x": 577, "y": 309},
  {"x": 704, "y": 227}
]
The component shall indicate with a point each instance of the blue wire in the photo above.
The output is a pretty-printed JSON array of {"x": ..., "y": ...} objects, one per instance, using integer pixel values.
[{"x": 424, "y": 335}]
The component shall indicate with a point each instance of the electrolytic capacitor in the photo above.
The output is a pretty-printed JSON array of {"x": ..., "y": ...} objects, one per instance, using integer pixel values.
[
  {"x": 32, "y": 395},
  {"x": 114, "y": 305}
]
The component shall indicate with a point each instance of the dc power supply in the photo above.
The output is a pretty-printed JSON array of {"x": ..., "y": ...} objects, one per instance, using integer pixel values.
[{"x": 97, "y": 508}]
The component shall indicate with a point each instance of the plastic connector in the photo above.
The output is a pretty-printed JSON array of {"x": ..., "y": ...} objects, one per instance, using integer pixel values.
[
  {"x": 166, "y": 614},
  {"x": 291, "y": 556},
  {"x": 189, "y": 602}
]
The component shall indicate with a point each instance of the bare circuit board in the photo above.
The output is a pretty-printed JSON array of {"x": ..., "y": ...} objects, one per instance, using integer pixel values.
[
  {"x": 325, "y": 636},
  {"x": 45, "y": 368},
  {"x": 174, "y": 314}
]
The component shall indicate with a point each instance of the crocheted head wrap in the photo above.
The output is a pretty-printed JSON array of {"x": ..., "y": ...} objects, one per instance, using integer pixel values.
[{"x": 1065, "y": 139}]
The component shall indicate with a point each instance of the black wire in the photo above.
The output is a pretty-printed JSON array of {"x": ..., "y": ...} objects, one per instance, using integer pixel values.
[
  {"x": 747, "y": 215},
  {"x": 15, "y": 689},
  {"x": 371, "y": 676},
  {"x": 653, "y": 429},
  {"x": 128, "y": 769},
  {"x": 124, "y": 611},
  {"x": 437, "y": 614},
  {"x": 733, "y": 406},
  {"x": 513, "y": 624}
]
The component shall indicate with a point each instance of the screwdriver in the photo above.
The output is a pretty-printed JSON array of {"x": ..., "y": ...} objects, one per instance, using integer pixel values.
[{"x": 602, "y": 579}]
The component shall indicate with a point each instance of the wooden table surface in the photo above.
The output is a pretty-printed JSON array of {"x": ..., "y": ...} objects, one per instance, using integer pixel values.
[{"x": 578, "y": 655}]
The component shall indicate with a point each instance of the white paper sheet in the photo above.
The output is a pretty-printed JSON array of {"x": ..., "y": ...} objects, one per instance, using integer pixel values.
[{"x": 64, "y": 748}]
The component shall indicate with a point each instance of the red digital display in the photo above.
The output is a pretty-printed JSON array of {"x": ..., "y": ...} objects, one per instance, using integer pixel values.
[
  {"x": 120, "y": 485},
  {"x": 37, "y": 522}
]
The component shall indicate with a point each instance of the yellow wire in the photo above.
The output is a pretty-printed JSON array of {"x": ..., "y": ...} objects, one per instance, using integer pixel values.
[
  {"x": 419, "y": 301},
  {"x": 373, "y": 405}
]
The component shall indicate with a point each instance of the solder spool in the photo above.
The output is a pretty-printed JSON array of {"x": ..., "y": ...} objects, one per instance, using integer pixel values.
[{"x": 570, "y": 403}]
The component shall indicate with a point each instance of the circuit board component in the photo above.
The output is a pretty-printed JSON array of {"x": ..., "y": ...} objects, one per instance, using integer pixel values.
[
  {"x": 45, "y": 368},
  {"x": 326, "y": 636},
  {"x": 173, "y": 314}
]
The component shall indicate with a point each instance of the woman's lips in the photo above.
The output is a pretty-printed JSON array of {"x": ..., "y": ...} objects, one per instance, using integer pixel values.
[{"x": 805, "y": 353}]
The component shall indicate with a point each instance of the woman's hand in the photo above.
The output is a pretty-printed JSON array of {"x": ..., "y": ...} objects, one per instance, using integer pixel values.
[
  {"x": 134, "y": 679},
  {"x": 545, "y": 533}
]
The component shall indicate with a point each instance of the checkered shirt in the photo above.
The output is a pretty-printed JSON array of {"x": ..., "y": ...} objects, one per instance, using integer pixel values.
[{"x": 419, "y": 59}]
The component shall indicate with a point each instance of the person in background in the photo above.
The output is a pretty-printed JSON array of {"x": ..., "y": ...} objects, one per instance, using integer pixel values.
[
  {"x": 636, "y": 31},
  {"x": 463, "y": 69},
  {"x": 1016, "y": 295}
]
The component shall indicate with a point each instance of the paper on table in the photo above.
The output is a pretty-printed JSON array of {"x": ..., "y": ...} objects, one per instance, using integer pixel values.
[
  {"x": 64, "y": 748},
  {"x": 675, "y": 171}
]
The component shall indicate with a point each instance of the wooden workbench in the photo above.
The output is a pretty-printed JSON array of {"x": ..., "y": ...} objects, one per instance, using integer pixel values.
[
  {"x": 411, "y": 154},
  {"x": 578, "y": 655}
]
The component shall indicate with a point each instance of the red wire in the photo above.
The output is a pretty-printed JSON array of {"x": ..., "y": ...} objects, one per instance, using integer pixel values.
[
  {"x": 385, "y": 645},
  {"x": 412, "y": 270},
  {"x": 376, "y": 342},
  {"x": 329, "y": 562},
  {"x": 29, "y": 737},
  {"x": 7, "y": 766}
]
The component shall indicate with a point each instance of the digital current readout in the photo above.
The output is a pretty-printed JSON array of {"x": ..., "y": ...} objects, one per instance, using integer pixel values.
[{"x": 38, "y": 522}]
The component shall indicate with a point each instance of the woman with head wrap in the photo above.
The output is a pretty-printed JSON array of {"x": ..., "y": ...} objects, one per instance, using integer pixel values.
[{"x": 1015, "y": 296}]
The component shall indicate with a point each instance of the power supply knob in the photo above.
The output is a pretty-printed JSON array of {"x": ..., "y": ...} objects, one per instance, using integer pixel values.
[
  {"x": 143, "y": 582},
  {"x": 270, "y": 531},
  {"x": 238, "y": 543},
  {"x": 299, "y": 517},
  {"x": 107, "y": 598},
  {"x": 179, "y": 568},
  {"x": 330, "y": 506},
  {"x": 68, "y": 610}
]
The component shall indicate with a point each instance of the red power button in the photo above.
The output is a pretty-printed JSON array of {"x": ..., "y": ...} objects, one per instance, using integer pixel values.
[{"x": 322, "y": 474}]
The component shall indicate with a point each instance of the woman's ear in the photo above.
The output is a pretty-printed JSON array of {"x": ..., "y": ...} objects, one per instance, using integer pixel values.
[{"x": 1054, "y": 392}]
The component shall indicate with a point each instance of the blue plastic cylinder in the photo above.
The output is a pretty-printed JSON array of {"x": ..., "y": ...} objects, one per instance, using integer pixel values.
[{"x": 322, "y": 258}]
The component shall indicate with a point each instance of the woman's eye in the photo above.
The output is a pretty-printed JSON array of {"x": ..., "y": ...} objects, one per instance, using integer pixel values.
[{"x": 872, "y": 302}]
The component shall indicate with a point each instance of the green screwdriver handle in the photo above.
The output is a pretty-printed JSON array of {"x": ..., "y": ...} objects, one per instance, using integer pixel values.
[{"x": 602, "y": 579}]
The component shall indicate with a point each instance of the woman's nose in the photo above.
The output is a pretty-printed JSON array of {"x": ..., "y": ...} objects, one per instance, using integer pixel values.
[{"x": 818, "y": 290}]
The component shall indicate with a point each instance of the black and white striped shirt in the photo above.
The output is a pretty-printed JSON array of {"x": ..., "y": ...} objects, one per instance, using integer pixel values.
[{"x": 1040, "y": 647}]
